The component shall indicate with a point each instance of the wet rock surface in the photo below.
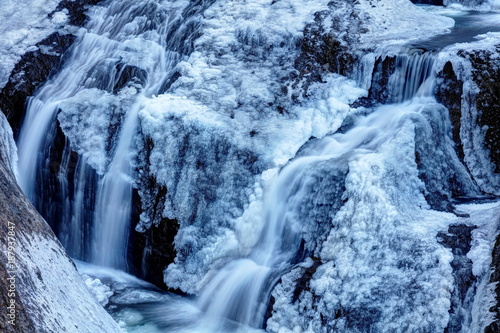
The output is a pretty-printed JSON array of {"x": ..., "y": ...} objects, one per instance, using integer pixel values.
[
  {"x": 449, "y": 92},
  {"x": 30, "y": 73}
]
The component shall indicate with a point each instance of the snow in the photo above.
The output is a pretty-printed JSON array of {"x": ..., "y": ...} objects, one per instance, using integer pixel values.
[
  {"x": 398, "y": 22},
  {"x": 100, "y": 291},
  {"x": 87, "y": 118},
  {"x": 60, "y": 18},
  {"x": 486, "y": 216},
  {"x": 24, "y": 23}
]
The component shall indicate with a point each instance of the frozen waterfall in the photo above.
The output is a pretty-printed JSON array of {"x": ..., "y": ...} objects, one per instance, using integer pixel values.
[{"x": 293, "y": 198}]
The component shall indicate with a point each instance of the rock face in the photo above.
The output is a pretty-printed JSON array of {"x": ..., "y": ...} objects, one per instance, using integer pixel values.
[
  {"x": 32, "y": 71},
  {"x": 486, "y": 71},
  {"x": 44, "y": 290}
]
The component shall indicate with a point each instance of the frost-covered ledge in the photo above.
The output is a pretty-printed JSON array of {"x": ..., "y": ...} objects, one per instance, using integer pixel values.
[{"x": 37, "y": 276}]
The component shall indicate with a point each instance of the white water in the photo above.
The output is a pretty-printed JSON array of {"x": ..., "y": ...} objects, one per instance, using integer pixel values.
[
  {"x": 121, "y": 33},
  {"x": 236, "y": 298},
  {"x": 239, "y": 292},
  {"x": 114, "y": 201}
]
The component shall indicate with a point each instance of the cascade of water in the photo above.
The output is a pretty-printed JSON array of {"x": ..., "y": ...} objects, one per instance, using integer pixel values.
[
  {"x": 412, "y": 71},
  {"x": 122, "y": 37},
  {"x": 240, "y": 290},
  {"x": 114, "y": 201}
]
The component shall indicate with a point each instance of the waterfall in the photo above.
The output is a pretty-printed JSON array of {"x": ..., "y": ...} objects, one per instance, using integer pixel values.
[
  {"x": 80, "y": 162},
  {"x": 124, "y": 55},
  {"x": 239, "y": 292}
]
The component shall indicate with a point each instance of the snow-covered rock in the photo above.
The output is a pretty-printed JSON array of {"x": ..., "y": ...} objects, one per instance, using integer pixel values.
[{"x": 24, "y": 23}]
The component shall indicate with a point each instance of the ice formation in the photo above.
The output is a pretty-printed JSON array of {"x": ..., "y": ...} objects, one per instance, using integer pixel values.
[{"x": 225, "y": 118}]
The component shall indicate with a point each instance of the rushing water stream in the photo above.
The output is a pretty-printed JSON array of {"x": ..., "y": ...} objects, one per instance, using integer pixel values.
[
  {"x": 236, "y": 298},
  {"x": 139, "y": 36},
  {"x": 118, "y": 39}
]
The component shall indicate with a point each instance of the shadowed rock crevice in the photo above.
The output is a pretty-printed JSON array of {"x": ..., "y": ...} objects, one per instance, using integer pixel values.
[
  {"x": 495, "y": 278},
  {"x": 448, "y": 91}
]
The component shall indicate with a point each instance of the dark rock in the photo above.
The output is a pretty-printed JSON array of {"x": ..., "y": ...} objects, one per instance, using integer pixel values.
[
  {"x": 458, "y": 239},
  {"x": 151, "y": 250},
  {"x": 168, "y": 82},
  {"x": 379, "y": 92},
  {"x": 112, "y": 76},
  {"x": 382, "y": 71},
  {"x": 76, "y": 10},
  {"x": 127, "y": 75},
  {"x": 448, "y": 91},
  {"x": 303, "y": 282},
  {"x": 36, "y": 67},
  {"x": 429, "y": 2},
  {"x": 269, "y": 310},
  {"x": 158, "y": 251},
  {"x": 31, "y": 72},
  {"x": 323, "y": 49}
]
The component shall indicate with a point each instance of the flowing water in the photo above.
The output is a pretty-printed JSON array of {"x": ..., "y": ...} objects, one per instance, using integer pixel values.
[
  {"x": 251, "y": 279},
  {"x": 237, "y": 296},
  {"x": 468, "y": 25},
  {"x": 121, "y": 37}
]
